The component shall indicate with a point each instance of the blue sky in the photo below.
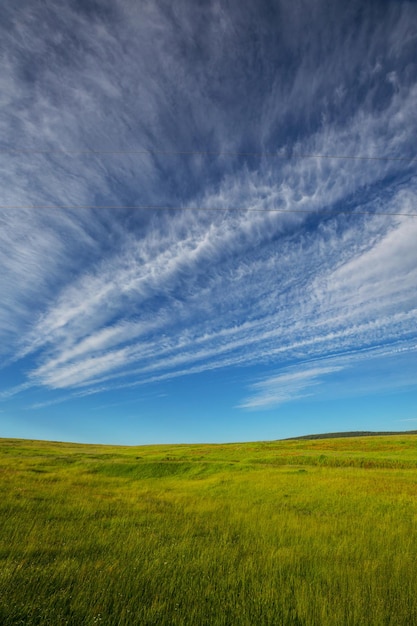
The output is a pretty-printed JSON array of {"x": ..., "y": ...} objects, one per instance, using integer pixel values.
[{"x": 287, "y": 308}]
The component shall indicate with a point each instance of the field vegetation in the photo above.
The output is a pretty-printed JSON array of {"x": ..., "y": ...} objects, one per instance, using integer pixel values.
[{"x": 294, "y": 533}]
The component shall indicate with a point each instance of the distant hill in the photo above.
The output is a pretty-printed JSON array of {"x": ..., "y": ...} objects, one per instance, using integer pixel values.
[{"x": 354, "y": 433}]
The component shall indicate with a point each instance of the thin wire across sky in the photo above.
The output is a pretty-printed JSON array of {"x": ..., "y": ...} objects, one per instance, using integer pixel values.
[
  {"x": 146, "y": 207},
  {"x": 275, "y": 155},
  {"x": 204, "y": 153}
]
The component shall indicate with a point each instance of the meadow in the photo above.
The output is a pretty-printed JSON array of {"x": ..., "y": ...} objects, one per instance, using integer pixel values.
[{"x": 293, "y": 533}]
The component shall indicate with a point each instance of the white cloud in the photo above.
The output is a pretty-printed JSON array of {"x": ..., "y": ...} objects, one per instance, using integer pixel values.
[
  {"x": 276, "y": 390},
  {"x": 120, "y": 298},
  {"x": 369, "y": 371},
  {"x": 338, "y": 303}
]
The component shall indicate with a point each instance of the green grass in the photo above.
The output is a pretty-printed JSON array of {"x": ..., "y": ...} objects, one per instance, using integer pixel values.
[{"x": 302, "y": 532}]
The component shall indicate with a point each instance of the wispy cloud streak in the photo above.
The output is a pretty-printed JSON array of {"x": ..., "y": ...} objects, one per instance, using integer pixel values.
[{"x": 276, "y": 390}]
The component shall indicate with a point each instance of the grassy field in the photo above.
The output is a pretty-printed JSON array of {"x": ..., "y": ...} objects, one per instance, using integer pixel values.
[{"x": 320, "y": 532}]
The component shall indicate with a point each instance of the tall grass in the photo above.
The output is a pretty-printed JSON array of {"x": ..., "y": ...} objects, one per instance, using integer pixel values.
[{"x": 305, "y": 533}]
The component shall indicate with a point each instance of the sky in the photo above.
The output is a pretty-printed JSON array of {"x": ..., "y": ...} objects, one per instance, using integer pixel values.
[{"x": 208, "y": 219}]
